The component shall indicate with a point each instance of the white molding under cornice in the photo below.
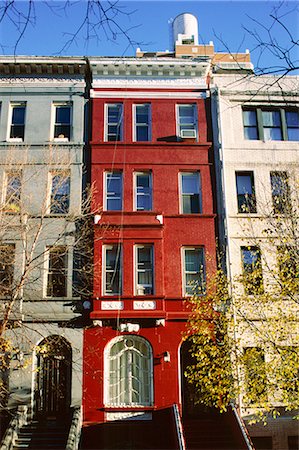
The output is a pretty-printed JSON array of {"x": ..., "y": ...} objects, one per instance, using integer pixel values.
[
  {"x": 150, "y": 83},
  {"x": 20, "y": 81},
  {"x": 148, "y": 94}
]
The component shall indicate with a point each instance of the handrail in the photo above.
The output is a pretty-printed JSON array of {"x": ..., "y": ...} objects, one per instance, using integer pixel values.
[
  {"x": 243, "y": 428},
  {"x": 73, "y": 439},
  {"x": 179, "y": 427},
  {"x": 14, "y": 426}
]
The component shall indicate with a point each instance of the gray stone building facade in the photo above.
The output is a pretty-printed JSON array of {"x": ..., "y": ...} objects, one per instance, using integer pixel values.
[{"x": 42, "y": 138}]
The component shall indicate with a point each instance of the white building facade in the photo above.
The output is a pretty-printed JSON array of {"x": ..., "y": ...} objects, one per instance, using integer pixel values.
[{"x": 256, "y": 138}]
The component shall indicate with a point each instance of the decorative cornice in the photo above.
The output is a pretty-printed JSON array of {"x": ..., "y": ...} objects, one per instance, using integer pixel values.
[
  {"x": 36, "y": 65},
  {"x": 148, "y": 68}
]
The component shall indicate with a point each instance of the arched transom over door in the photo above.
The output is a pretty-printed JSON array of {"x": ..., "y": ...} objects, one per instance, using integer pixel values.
[
  {"x": 129, "y": 372},
  {"x": 53, "y": 376}
]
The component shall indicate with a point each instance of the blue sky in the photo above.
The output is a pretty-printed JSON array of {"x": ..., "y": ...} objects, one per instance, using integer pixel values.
[{"x": 222, "y": 22}]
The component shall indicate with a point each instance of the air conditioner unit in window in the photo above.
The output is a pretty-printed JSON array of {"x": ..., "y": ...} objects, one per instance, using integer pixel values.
[{"x": 188, "y": 134}]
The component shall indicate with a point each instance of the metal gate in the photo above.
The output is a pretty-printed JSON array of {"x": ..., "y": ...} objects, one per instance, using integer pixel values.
[{"x": 53, "y": 377}]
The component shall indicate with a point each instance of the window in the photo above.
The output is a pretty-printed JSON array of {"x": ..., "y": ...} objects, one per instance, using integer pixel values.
[
  {"x": 60, "y": 192},
  {"x": 292, "y": 121},
  {"x": 62, "y": 125},
  {"x": 288, "y": 373},
  {"x": 17, "y": 128},
  {"x": 7, "y": 259},
  {"x": 255, "y": 375},
  {"x": 275, "y": 124},
  {"x": 187, "y": 121},
  {"x": 112, "y": 264},
  {"x": 144, "y": 283},
  {"x": 271, "y": 125},
  {"x": 57, "y": 272},
  {"x": 288, "y": 267},
  {"x": 250, "y": 124},
  {"x": 113, "y": 191},
  {"x": 142, "y": 122},
  {"x": 193, "y": 268},
  {"x": 114, "y": 122},
  {"x": 245, "y": 192},
  {"x": 280, "y": 192},
  {"x": 129, "y": 372},
  {"x": 252, "y": 270},
  {"x": 190, "y": 193},
  {"x": 143, "y": 191},
  {"x": 13, "y": 192}
]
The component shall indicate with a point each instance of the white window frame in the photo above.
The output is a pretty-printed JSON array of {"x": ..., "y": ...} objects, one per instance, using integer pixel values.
[
  {"x": 51, "y": 175},
  {"x": 149, "y": 126},
  {"x": 104, "y": 270},
  {"x": 68, "y": 269},
  {"x": 181, "y": 191},
  {"x": 12, "y": 105},
  {"x": 184, "y": 273},
  {"x": 149, "y": 173},
  {"x": 53, "y": 121},
  {"x": 105, "y": 189},
  {"x": 138, "y": 288},
  {"x": 107, "y": 372},
  {"x": 195, "y": 118},
  {"x": 106, "y": 124}
]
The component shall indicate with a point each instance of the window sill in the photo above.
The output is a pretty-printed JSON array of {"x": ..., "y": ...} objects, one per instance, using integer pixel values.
[
  {"x": 127, "y": 408},
  {"x": 15, "y": 140},
  {"x": 60, "y": 140}
]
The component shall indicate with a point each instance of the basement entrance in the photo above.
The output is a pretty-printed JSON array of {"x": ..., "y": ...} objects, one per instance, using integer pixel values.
[{"x": 52, "y": 394}]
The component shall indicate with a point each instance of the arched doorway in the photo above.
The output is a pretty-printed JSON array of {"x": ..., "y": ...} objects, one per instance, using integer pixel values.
[
  {"x": 128, "y": 372},
  {"x": 52, "y": 394}
]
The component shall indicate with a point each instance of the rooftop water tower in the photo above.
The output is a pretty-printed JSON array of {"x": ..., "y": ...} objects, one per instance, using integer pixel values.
[{"x": 185, "y": 30}]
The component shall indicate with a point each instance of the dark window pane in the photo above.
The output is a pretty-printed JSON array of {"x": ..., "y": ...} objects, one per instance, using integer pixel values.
[
  {"x": 292, "y": 119},
  {"x": 191, "y": 193},
  {"x": 142, "y": 134},
  {"x": 144, "y": 192},
  {"x": 249, "y": 118},
  {"x": 271, "y": 118},
  {"x": 280, "y": 192},
  {"x": 250, "y": 124},
  {"x": 113, "y": 281},
  {"x": 272, "y": 134},
  {"x": 114, "y": 191},
  {"x": 114, "y": 122},
  {"x": 194, "y": 271},
  {"x": 63, "y": 114},
  {"x": 272, "y": 125},
  {"x": 245, "y": 192},
  {"x": 251, "y": 133},
  {"x": 17, "y": 129},
  {"x": 60, "y": 197},
  {"x": 57, "y": 272},
  {"x": 18, "y": 115},
  {"x": 145, "y": 270},
  {"x": 252, "y": 270},
  {"x": 62, "y": 128}
]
